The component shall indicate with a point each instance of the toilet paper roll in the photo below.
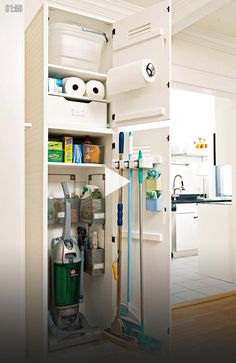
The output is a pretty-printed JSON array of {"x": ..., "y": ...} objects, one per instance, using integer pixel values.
[
  {"x": 130, "y": 76},
  {"x": 74, "y": 86},
  {"x": 95, "y": 90}
]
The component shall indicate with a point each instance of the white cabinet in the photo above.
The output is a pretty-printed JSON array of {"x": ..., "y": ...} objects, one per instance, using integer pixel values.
[
  {"x": 153, "y": 140},
  {"x": 216, "y": 248},
  {"x": 186, "y": 227}
]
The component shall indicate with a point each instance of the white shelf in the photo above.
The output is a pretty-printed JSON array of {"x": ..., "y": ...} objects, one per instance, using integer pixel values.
[
  {"x": 71, "y": 130},
  {"x": 72, "y": 97},
  {"x": 76, "y": 165},
  {"x": 63, "y": 72},
  {"x": 190, "y": 155}
]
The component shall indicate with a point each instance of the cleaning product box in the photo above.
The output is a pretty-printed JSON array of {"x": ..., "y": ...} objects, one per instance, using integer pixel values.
[
  {"x": 55, "y": 85},
  {"x": 92, "y": 153},
  {"x": 55, "y": 155},
  {"x": 68, "y": 149},
  {"x": 77, "y": 153},
  {"x": 55, "y": 145}
]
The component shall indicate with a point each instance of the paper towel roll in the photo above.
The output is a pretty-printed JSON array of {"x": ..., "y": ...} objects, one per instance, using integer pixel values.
[
  {"x": 95, "y": 90},
  {"x": 74, "y": 86},
  {"x": 130, "y": 76}
]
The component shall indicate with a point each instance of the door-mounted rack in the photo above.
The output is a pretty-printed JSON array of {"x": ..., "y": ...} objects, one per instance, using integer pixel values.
[{"x": 145, "y": 163}]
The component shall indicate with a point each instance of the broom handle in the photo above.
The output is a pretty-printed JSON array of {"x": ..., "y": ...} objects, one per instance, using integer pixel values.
[{"x": 120, "y": 223}]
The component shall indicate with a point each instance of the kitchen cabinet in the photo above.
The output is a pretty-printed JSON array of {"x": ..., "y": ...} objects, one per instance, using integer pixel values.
[
  {"x": 216, "y": 250},
  {"x": 147, "y": 33},
  {"x": 186, "y": 227}
]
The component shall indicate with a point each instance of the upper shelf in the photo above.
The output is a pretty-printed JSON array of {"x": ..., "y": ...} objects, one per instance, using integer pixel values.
[
  {"x": 75, "y": 165},
  {"x": 63, "y": 72},
  {"x": 191, "y": 154},
  {"x": 71, "y": 130}
]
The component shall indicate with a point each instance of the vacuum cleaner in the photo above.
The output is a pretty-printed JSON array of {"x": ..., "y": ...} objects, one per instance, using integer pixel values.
[{"x": 67, "y": 326}]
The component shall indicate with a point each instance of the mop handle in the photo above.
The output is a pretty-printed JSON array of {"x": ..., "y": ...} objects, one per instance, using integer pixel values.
[
  {"x": 67, "y": 225},
  {"x": 140, "y": 180},
  {"x": 130, "y": 190}
]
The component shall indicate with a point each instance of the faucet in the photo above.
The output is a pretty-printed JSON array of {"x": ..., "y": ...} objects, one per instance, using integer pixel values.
[{"x": 178, "y": 188}]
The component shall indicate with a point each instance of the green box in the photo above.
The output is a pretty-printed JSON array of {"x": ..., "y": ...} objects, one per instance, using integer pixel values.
[
  {"x": 55, "y": 156},
  {"x": 55, "y": 145}
]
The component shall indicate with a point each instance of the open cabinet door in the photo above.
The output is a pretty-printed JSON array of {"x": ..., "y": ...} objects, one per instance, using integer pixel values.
[
  {"x": 144, "y": 35},
  {"x": 153, "y": 141}
]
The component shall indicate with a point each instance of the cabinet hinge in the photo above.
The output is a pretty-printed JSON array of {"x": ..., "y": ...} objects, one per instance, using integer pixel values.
[
  {"x": 168, "y": 84},
  {"x": 113, "y": 239},
  {"x": 168, "y": 9},
  {"x": 113, "y": 146},
  {"x": 168, "y": 331},
  {"x": 113, "y": 32},
  {"x": 113, "y": 117},
  {"x": 168, "y": 138}
]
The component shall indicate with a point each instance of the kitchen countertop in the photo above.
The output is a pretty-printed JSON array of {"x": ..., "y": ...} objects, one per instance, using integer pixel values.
[
  {"x": 202, "y": 200},
  {"x": 196, "y": 199}
]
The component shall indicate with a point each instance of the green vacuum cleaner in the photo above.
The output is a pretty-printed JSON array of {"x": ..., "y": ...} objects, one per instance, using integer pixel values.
[
  {"x": 66, "y": 271},
  {"x": 66, "y": 324}
]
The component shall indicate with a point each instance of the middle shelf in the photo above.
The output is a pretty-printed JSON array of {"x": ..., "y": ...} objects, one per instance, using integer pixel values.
[
  {"x": 75, "y": 165},
  {"x": 72, "y": 97}
]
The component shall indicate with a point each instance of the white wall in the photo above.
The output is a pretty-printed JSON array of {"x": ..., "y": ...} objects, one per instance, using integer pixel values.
[
  {"x": 226, "y": 131},
  {"x": 31, "y": 8},
  {"x": 12, "y": 185},
  {"x": 193, "y": 116},
  {"x": 225, "y": 125}
]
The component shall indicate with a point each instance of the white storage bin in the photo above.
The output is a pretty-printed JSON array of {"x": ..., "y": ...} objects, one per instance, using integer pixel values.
[
  {"x": 65, "y": 112},
  {"x": 74, "y": 46}
]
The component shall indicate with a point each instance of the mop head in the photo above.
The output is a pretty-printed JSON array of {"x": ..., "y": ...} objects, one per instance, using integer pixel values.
[
  {"x": 148, "y": 343},
  {"x": 135, "y": 330}
]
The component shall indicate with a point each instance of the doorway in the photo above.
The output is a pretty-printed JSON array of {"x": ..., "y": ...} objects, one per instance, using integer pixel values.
[{"x": 202, "y": 212}]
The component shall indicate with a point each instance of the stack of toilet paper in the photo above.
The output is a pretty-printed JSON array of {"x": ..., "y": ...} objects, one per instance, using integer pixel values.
[{"x": 75, "y": 86}]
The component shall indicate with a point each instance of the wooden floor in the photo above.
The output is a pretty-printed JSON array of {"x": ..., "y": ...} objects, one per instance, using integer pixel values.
[{"x": 205, "y": 332}]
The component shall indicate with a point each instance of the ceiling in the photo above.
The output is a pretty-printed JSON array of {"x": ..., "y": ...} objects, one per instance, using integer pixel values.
[
  {"x": 221, "y": 21},
  {"x": 143, "y": 3}
]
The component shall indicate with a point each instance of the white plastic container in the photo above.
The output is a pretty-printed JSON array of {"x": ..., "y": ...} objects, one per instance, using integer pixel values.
[
  {"x": 67, "y": 113},
  {"x": 74, "y": 46}
]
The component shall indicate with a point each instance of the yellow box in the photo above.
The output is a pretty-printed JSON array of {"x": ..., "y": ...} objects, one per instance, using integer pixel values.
[
  {"x": 153, "y": 184},
  {"x": 68, "y": 149}
]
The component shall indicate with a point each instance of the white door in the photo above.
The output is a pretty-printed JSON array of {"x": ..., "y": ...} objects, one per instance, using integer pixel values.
[
  {"x": 143, "y": 35},
  {"x": 153, "y": 141},
  {"x": 147, "y": 35}
]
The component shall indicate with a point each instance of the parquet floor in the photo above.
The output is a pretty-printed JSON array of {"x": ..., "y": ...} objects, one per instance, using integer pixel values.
[{"x": 205, "y": 332}]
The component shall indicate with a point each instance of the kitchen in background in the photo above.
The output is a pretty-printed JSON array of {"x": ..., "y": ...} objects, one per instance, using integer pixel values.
[{"x": 201, "y": 194}]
